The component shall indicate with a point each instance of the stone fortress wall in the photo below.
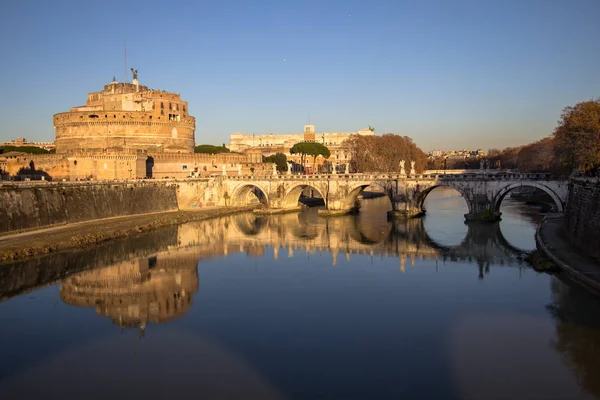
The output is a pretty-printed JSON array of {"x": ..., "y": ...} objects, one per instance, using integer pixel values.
[
  {"x": 35, "y": 206},
  {"x": 118, "y": 165},
  {"x": 127, "y": 116},
  {"x": 582, "y": 215}
]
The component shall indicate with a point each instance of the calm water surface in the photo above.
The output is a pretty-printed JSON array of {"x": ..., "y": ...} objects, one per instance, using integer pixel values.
[{"x": 299, "y": 307}]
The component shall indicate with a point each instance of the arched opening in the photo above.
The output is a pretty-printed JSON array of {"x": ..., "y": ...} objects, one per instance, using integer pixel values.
[
  {"x": 532, "y": 193},
  {"x": 304, "y": 194},
  {"x": 445, "y": 208},
  {"x": 371, "y": 198},
  {"x": 249, "y": 195},
  {"x": 523, "y": 207},
  {"x": 149, "y": 166}
]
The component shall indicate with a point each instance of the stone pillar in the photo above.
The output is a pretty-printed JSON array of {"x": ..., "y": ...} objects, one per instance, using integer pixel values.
[
  {"x": 404, "y": 210},
  {"x": 336, "y": 201},
  {"x": 481, "y": 209},
  {"x": 404, "y": 201}
]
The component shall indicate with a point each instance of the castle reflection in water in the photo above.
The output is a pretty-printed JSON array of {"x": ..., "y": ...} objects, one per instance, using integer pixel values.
[{"x": 158, "y": 286}]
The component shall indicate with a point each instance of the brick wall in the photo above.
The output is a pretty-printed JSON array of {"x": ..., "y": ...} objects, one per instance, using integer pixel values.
[{"x": 582, "y": 216}]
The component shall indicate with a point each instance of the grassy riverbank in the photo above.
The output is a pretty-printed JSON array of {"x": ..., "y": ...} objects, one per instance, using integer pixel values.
[{"x": 33, "y": 243}]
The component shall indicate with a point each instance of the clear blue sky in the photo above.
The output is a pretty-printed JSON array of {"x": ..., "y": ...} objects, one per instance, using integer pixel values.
[{"x": 448, "y": 73}]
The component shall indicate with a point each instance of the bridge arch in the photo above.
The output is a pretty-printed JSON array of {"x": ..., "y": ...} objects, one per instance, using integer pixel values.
[
  {"x": 292, "y": 195},
  {"x": 424, "y": 193},
  {"x": 349, "y": 201},
  {"x": 240, "y": 196},
  {"x": 506, "y": 189}
]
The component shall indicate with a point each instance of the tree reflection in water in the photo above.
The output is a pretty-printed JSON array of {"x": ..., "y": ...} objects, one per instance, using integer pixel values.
[{"x": 577, "y": 316}]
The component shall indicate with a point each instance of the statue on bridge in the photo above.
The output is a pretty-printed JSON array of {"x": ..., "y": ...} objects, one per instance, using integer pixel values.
[
  {"x": 239, "y": 169},
  {"x": 274, "y": 169},
  {"x": 224, "y": 170},
  {"x": 402, "y": 171},
  {"x": 289, "y": 168},
  {"x": 333, "y": 168},
  {"x": 412, "y": 168},
  {"x": 347, "y": 170}
]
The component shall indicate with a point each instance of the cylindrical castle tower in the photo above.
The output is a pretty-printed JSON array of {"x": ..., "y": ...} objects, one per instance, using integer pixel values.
[{"x": 127, "y": 117}]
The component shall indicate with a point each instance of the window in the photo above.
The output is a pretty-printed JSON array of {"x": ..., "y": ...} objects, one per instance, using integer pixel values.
[
  {"x": 162, "y": 106},
  {"x": 184, "y": 166}
]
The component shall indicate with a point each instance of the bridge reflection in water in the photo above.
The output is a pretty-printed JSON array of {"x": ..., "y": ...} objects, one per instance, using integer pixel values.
[
  {"x": 358, "y": 327},
  {"x": 160, "y": 285}
]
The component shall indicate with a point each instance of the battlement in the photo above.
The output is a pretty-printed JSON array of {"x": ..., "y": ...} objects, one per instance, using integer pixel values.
[
  {"x": 126, "y": 115},
  {"x": 94, "y": 117}
]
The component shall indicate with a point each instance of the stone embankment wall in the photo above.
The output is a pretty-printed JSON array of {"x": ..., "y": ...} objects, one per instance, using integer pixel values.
[
  {"x": 582, "y": 216},
  {"x": 33, "y": 206}
]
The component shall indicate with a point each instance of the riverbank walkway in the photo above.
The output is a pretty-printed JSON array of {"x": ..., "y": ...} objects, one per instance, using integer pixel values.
[{"x": 553, "y": 241}]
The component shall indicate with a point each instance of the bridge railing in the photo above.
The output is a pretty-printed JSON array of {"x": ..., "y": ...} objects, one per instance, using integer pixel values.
[{"x": 475, "y": 176}]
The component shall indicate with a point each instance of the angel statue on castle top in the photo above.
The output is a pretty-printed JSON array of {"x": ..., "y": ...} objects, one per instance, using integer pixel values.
[{"x": 134, "y": 72}]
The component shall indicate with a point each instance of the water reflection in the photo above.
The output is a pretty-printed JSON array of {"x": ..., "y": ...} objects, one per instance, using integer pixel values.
[
  {"x": 297, "y": 306},
  {"x": 349, "y": 235},
  {"x": 577, "y": 332},
  {"x": 132, "y": 293},
  {"x": 127, "y": 263}
]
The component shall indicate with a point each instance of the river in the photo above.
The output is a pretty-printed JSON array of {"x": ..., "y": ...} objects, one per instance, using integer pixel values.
[{"x": 300, "y": 307}]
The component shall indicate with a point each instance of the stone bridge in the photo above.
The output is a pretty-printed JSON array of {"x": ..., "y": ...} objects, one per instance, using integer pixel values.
[{"x": 482, "y": 191}]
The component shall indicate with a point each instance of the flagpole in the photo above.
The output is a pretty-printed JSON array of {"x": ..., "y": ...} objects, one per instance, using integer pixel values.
[{"x": 125, "y": 63}]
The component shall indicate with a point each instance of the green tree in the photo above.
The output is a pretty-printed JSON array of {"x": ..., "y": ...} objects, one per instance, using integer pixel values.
[
  {"x": 279, "y": 159},
  {"x": 310, "y": 149},
  {"x": 23, "y": 149},
  {"x": 577, "y": 137},
  {"x": 210, "y": 149}
]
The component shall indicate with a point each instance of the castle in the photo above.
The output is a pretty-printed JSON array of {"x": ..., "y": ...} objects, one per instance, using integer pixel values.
[
  {"x": 125, "y": 117},
  {"x": 127, "y": 131}
]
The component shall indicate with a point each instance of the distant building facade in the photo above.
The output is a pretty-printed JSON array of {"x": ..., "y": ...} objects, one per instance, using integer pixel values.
[
  {"x": 20, "y": 142},
  {"x": 269, "y": 144}
]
